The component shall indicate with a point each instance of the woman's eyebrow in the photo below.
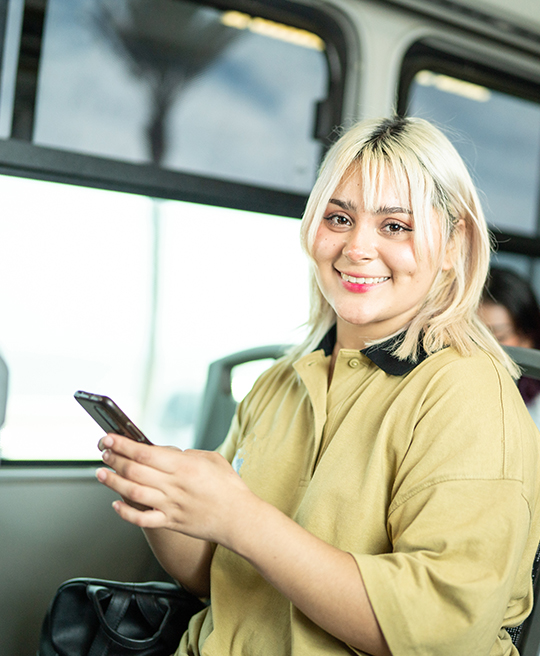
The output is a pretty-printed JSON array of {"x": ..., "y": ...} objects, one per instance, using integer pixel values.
[
  {"x": 344, "y": 204},
  {"x": 393, "y": 210},
  {"x": 351, "y": 207}
]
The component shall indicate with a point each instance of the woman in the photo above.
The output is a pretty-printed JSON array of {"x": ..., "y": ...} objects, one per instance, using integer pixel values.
[
  {"x": 510, "y": 310},
  {"x": 382, "y": 496}
]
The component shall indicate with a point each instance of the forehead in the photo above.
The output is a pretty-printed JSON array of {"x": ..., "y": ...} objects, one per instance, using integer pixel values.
[{"x": 372, "y": 188}]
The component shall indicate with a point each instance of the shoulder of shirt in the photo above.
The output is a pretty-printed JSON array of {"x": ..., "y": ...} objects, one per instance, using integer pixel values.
[
  {"x": 448, "y": 363},
  {"x": 477, "y": 380},
  {"x": 480, "y": 361}
]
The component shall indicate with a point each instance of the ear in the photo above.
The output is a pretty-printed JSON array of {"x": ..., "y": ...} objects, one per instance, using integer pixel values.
[{"x": 453, "y": 246}]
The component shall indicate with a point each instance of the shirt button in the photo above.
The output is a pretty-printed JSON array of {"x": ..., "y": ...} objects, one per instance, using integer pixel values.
[{"x": 354, "y": 363}]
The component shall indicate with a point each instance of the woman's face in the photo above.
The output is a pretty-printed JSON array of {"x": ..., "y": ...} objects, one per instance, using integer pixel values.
[
  {"x": 500, "y": 322},
  {"x": 366, "y": 264}
]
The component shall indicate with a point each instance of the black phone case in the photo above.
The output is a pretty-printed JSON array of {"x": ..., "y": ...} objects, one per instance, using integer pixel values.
[{"x": 109, "y": 416}]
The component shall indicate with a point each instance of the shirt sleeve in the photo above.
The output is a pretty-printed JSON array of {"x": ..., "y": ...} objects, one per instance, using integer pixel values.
[
  {"x": 459, "y": 521},
  {"x": 445, "y": 588}
]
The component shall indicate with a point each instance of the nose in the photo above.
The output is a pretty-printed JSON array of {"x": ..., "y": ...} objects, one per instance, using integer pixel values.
[{"x": 361, "y": 245}]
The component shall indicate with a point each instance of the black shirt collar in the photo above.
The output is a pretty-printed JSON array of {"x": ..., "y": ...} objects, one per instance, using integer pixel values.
[{"x": 380, "y": 354}]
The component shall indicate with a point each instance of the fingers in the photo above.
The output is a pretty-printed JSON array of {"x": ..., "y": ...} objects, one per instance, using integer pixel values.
[
  {"x": 141, "y": 495},
  {"x": 157, "y": 457},
  {"x": 191, "y": 491},
  {"x": 148, "y": 519},
  {"x": 125, "y": 447},
  {"x": 137, "y": 476},
  {"x": 128, "y": 476}
]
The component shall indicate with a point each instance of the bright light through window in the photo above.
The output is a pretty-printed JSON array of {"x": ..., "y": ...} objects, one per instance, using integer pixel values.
[{"x": 121, "y": 295}]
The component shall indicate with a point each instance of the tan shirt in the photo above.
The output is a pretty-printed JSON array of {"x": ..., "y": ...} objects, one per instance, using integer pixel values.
[{"x": 429, "y": 479}]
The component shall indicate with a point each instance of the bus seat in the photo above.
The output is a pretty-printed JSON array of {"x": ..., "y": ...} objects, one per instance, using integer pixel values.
[
  {"x": 527, "y": 635},
  {"x": 218, "y": 405},
  {"x": 528, "y": 359}
]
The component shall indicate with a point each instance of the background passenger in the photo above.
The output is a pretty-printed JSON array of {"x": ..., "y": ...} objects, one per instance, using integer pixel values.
[
  {"x": 510, "y": 310},
  {"x": 378, "y": 491}
]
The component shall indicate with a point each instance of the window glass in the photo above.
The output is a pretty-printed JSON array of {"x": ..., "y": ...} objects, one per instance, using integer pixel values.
[
  {"x": 185, "y": 86},
  {"x": 519, "y": 263},
  {"x": 497, "y": 134},
  {"x": 122, "y": 295}
]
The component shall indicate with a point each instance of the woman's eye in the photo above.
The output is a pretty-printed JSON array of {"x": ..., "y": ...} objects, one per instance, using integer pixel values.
[
  {"x": 338, "y": 220},
  {"x": 396, "y": 228}
]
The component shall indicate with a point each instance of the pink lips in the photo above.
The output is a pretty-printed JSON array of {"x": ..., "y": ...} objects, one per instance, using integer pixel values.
[{"x": 359, "y": 288}]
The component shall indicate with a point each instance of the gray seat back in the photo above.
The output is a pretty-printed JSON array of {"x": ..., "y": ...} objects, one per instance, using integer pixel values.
[
  {"x": 526, "y": 636},
  {"x": 218, "y": 405}
]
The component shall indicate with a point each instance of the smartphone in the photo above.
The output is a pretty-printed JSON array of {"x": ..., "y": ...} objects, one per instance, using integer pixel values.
[{"x": 109, "y": 416}]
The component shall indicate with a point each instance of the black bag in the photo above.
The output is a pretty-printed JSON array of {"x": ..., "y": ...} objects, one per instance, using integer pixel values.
[{"x": 90, "y": 617}]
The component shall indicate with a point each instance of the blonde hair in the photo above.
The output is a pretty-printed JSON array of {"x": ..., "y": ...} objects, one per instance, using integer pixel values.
[{"x": 421, "y": 162}]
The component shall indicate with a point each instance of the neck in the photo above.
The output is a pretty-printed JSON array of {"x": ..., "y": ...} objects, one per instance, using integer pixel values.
[
  {"x": 350, "y": 336},
  {"x": 345, "y": 339}
]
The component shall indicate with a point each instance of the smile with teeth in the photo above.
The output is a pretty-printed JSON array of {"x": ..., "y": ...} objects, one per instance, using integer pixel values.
[{"x": 363, "y": 281}]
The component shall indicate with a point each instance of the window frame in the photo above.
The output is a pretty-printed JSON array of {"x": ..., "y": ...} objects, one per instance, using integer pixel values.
[{"x": 20, "y": 157}]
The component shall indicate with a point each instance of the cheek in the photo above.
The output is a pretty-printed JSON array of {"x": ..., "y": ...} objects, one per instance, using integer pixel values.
[
  {"x": 325, "y": 247},
  {"x": 420, "y": 274},
  {"x": 403, "y": 260}
]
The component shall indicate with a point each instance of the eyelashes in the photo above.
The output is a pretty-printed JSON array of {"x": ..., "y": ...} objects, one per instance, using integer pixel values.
[{"x": 390, "y": 227}]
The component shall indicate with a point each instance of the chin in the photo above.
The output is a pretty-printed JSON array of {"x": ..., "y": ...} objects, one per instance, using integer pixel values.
[{"x": 355, "y": 320}]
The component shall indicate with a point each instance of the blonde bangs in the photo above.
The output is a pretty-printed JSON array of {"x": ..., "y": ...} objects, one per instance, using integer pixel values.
[{"x": 414, "y": 191}]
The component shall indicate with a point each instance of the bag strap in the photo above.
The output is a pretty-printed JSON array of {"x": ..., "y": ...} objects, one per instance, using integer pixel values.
[
  {"x": 110, "y": 620},
  {"x": 115, "y": 612},
  {"x": 152, "y": 607}
]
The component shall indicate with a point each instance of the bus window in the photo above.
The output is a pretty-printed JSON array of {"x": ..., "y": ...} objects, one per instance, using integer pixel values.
[
  {"x": 131, "y": 297},
  {"x": 497, "y": 134},
  {"x": 494, "y": 122},
  {"x": 156, "y": 152},
  {"x": 182, "y": 85}
]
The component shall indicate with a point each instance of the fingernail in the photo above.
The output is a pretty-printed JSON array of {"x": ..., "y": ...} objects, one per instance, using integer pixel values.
[
  {"x": 106, "y": 455},
  {"x": 101, "y": 474},
  {"x": 108, "y": 441}
]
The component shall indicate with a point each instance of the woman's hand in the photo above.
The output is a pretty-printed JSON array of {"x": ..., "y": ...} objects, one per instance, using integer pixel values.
[{"x": 196, "y": 493}]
